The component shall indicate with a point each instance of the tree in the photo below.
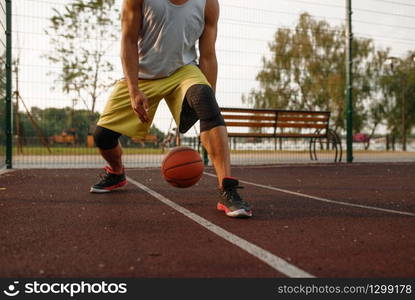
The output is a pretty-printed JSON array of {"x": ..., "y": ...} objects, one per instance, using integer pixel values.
[
  {"x": 378, "y": 105},
  {"x": 54, "y": 121},
  {"x": 157, "y": 132},
  {"x": 397, "y": 85},
  {"x": 307, "y": 71},
  {"x": 81, "y": 35}
]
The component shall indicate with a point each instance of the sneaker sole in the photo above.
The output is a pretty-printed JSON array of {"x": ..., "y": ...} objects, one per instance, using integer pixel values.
[
  {"x": 108, "y": 189},
  {"x": 239, "y": 213}
]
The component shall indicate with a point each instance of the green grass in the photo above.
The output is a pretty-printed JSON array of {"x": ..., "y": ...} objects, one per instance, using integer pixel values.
[{"x": 38, "y": 150}]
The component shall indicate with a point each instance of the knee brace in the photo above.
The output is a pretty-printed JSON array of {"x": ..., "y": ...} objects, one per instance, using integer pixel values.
[
  {"x": 105, "y": 139},
  {"x": 201, "y": 99}
]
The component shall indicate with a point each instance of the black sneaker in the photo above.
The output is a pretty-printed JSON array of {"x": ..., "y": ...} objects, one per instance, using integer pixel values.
[
  {"x": 231, "y": 203},
  {"x": 109, "y": 181}
]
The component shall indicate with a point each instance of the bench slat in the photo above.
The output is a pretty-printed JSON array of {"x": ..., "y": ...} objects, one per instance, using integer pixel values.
[
  {"x": 230, "y": 109},
  {"x": 250, "y": 124},
  {"x": 300, "y": 135},
  {"x": 278, "y": 135},
  {"x": 300, "y": 125},
  {"x": 248, "y": 134},
  {"x": 303, "y": 113},
  {"x": 302, "y": 119},
  {"x": 248, "y": 117},
  {"x": 266, "y": 110},
  {"x": 271, "y": 125}
]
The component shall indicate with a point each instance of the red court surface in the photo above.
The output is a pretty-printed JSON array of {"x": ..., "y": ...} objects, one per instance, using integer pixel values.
[{"x": 331, "y": 221}]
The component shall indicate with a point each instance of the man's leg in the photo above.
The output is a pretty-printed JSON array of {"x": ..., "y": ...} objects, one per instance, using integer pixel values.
[
  {"x": 216, "y": 144},
  {"x": 113, "y": 158},
  {"x": 119, "y": 117},
  {"x": 215, "y": 139},
  {"x": 107, "y": 142}
]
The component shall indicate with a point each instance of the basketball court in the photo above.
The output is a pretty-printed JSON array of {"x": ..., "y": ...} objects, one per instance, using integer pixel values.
[{"x": 310, "y": 220}]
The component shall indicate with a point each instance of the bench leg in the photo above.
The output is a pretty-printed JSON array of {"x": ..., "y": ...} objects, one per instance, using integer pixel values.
[
  {"x": 336, "y": 142},
  {"x": 198, "y": 144},
  {"x": 310, "y": 148},
  {"x": 203, "y": 152},
  {"x": 205, "y": 156}
]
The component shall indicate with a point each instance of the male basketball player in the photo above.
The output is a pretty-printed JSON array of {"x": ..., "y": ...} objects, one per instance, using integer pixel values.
[{"x": 160, "y": 61}]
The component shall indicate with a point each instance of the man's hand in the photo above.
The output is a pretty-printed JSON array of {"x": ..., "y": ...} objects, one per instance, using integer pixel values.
[{"x": 139, "y": 103}]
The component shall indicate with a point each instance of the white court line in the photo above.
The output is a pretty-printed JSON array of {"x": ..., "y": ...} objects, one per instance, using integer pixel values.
[
  {"x": 267, "y": 257},
  {"x": 4, "y": 171},
  {"x": 317, "y": 165},
  {"x": 323, "y": 199}
]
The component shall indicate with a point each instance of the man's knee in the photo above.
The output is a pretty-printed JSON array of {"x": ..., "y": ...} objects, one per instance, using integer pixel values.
[
  {"x": 105, "y": 139},
  {"x": 202, "y": 99}
]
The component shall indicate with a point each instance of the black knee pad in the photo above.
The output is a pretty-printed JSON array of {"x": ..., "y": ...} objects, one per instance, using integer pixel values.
[
  {"x": 201, "y": 99},
  {"x": 105, "y": 139}
]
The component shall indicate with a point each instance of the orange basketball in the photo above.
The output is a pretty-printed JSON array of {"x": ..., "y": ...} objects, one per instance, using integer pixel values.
[{"x": 182, "y": 167}]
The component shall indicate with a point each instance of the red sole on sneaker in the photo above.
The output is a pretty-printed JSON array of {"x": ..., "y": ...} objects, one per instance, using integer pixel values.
[
  {"x": 122, "y": 183},
  {"x": 240, "y": 213},
  {"x": 109, "y": 189}
]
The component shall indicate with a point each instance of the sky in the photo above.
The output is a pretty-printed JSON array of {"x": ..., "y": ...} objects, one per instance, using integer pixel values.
[{"x": 244, "y": 31}]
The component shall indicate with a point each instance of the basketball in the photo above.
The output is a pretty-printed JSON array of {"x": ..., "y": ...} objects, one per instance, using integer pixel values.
[{"x": 182, "y": 167}]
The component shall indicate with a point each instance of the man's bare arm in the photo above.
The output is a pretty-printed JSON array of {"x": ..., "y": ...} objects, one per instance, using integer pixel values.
[
  {"x": 130, "y": 32},
  {"x": 208, "y": 62}
]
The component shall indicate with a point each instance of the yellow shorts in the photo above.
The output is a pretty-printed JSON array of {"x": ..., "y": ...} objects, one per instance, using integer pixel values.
[{"x": 119, "y": 116}]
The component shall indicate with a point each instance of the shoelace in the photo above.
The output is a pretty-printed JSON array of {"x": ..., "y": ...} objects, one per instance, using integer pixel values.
[
  {"x": 107, "y": 170},
  {"x": 106, "y": 176},
  {"x": 233, "y": 195}
]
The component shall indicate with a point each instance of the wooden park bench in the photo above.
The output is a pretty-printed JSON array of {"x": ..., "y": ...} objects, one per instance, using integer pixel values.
[{"x": 276, "y": 124}]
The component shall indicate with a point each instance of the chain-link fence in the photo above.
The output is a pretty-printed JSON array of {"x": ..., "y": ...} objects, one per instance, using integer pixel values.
[
  {"x": 59, "y": 91},
  {"x": 3, "y": 26}
]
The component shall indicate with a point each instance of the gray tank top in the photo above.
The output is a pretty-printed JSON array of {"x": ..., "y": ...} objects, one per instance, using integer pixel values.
[{"x": 169, "y": 33}]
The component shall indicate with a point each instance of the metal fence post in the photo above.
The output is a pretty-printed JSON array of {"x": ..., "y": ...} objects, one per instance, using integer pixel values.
[
  {"x": 349, "y": 81},
  {"x": 9, "y": 106}
]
